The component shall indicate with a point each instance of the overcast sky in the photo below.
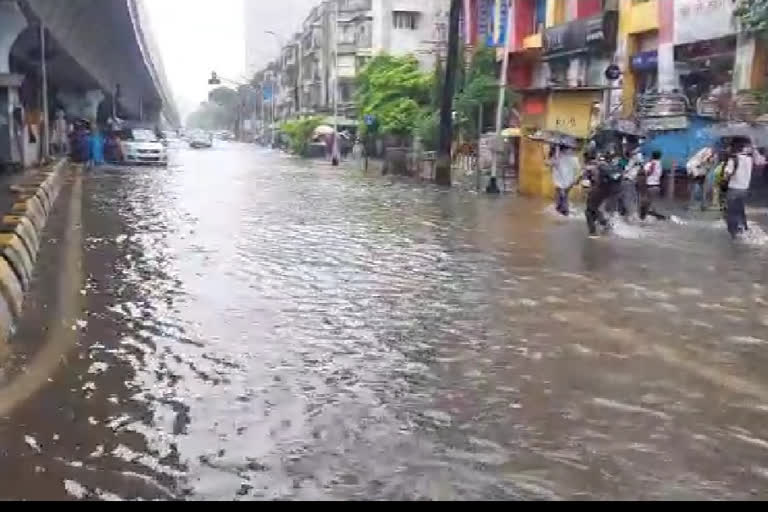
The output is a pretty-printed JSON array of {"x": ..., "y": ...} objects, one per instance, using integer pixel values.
[{"x": 199, "y": 36}]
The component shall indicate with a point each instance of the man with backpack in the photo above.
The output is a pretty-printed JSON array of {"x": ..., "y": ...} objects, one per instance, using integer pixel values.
[{"x": 604, "y": 177}]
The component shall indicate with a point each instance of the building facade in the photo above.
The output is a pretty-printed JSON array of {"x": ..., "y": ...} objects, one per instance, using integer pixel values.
[
  {"x": 678, "y": 66},
  {"x": 337, "y": 39}
]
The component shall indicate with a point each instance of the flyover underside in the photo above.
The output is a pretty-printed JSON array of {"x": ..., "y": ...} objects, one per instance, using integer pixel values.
[{"x": 101, "y": 37}]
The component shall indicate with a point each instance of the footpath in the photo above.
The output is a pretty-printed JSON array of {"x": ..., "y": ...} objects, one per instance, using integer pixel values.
[{"x": 26, "y": 201}]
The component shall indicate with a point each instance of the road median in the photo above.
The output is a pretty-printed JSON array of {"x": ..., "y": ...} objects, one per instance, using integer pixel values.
[{"x": 33, "y": 197}]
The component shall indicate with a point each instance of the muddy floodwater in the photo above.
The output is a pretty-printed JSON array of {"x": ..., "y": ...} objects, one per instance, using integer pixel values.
[{"x": 258, "y": 327}]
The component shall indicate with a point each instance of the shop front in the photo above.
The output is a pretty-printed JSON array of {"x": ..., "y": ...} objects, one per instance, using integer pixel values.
[{"x": 575, "y": 57}]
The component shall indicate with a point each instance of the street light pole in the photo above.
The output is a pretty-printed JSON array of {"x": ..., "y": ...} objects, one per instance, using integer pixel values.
[
  {"x": 46, "y": 118},
  {"x": 335, "y": 157},
  {"x": 493, "y": 184}
]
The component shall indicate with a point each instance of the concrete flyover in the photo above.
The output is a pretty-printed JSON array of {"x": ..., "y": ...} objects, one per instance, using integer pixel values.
[{"x": 111, "y": 42}]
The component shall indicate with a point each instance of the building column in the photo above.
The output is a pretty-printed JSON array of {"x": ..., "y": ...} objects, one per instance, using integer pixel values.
[
  {"x": 744, "y": 62},
  {"x": 667, "y": 76},
  {"x": 12, "y": 23}
]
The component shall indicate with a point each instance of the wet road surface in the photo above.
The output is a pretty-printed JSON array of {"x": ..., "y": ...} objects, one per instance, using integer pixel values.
[{"x": 254, "y": 327}]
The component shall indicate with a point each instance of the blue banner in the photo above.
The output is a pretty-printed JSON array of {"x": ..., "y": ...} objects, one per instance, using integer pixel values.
[{"x": 498, "y": 29}]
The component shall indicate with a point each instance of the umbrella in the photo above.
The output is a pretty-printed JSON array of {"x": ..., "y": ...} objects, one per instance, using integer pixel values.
[
  {"x": 553, "y": 137},
  {"x": 323, "y": 129}
]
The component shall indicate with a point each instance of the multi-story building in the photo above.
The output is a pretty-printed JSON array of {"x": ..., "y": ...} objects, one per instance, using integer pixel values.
[
  {"x": 337, "y": 39},
  {"x": 284, "y": 17}
]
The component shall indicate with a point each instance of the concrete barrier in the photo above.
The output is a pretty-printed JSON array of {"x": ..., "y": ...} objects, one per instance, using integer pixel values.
[
  {"x": 22, "y": 227},
  {"x": 10, "y": 288},
  {"x": 33, "y": 210},
  {"x": 21, "y": 232}
]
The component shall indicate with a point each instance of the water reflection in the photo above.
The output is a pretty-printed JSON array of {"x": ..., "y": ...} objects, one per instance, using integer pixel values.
[{"x": 263, "y": 328}]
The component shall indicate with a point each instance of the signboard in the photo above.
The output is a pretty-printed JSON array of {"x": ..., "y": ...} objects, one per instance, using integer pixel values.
[
  {"x": 582, "y": 34},
  {"x": 483, "y": 17},
  {"x": 662, "y": 124},
  {"x": 697, "y": 20},
  {"x": 645, "y": 61},
  {"x": 267, "y": 93},
  {"x": 497, "y": 23}
]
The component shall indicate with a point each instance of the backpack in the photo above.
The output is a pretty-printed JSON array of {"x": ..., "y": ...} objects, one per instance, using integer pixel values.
[{"x": 609, "y": 173}]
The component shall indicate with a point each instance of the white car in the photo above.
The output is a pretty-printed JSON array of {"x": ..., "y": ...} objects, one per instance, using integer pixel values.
[{"x": 142, "y": 146}]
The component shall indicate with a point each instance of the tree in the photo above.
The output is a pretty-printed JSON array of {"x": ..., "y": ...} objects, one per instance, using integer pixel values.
[
  {"x": 209, "y": 116},
  {"x": 299, "y": 132},
  {"x": 753, "y": 14},
  {"x": 443, "y": 167},
  {"x": 393, "y": 90},
  {"x": 481, "y": 89},
  {"x": 479, "y": 92}
]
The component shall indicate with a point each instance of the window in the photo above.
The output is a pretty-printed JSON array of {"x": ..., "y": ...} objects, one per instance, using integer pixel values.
[{"x": 405, "y": 20}]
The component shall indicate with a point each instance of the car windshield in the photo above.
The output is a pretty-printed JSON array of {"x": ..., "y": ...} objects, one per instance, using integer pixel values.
[{"x": 143, "y": 136}]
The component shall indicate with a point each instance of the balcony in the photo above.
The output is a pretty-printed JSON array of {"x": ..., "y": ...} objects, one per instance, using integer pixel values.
[{"x": 643, "y": 16}]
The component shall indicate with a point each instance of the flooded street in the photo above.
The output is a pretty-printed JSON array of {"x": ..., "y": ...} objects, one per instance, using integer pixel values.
[{"x": 258, "y": 327}]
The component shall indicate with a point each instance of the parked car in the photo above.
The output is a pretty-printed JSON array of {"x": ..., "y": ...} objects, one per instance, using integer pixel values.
[{"x": 142, "y": 146}]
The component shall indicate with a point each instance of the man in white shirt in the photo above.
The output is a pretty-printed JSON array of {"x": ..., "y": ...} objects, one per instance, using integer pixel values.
[{"x": 739, "y": 172}]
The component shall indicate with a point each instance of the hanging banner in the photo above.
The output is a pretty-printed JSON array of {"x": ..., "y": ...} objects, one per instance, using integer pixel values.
[
  {"x": 700, "y": 20},
  {"x": 499, "y": 15}
]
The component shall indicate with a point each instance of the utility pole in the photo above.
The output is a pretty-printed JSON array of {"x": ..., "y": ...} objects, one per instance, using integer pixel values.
[
  {"x": 46, "y": 138},
  {"x": 493, "y": 184},
  {"x": 444, "y": 163},
  {"x": 335, "y": 157}
]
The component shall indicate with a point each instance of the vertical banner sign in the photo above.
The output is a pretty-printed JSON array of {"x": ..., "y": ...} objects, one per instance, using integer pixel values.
[
  {"x": 483, "y": 19},
  {"x": 497, "y": 33}
]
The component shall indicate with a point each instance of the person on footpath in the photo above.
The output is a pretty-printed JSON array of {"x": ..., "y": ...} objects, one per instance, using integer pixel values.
[
  {"x": 565, "y": 167},
  {"x": 739, "y": 174},
  {"x": 604, "y": 177},
  {"x": 698, "y": 168},
  {"x": 649, "y": 187}
]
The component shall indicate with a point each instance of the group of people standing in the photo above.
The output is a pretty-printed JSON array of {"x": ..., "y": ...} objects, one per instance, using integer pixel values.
[
  {"x": 726, "y": 177},
  {"x": 628, "y": 184}
]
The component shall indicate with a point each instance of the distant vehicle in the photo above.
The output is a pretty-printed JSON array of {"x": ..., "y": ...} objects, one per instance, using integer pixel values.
[
  {"x": 201, "y": 140},
  {"x": 142, "y": 146}
]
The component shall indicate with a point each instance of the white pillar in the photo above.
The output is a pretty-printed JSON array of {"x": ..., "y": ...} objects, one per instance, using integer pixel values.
[
  {"x": 745, "y": 58},
  {"x": 668, "y": 79},
  {"x": 12, "y": 23}
]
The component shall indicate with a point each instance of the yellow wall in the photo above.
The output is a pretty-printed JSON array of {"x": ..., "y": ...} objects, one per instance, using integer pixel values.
[
  {"x": 570, "y": 111},
  {"x": 642, "y": 16},
  {"x": 634, "y": 18},
  {"x": 535, "y": 178}
]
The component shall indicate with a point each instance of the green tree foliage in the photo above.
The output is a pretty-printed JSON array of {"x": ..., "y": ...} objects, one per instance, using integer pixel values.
[
  {"x": 299, "y": 132},
  {"x": 427, "y": 129},
  {"x": 753, "y": 14},
  {"x": 481, "y": 88},
  {"x": 220, "y": 112},
  {"x": 394, "y": 90},
  {"x": 210, "y": 116}
]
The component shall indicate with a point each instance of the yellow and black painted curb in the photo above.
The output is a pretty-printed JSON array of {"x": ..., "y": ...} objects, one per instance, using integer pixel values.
[{"x": 21, "y": 233}]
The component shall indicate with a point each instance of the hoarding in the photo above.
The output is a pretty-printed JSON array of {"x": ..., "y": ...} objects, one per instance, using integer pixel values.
[{"x": 699, "y": 20}]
